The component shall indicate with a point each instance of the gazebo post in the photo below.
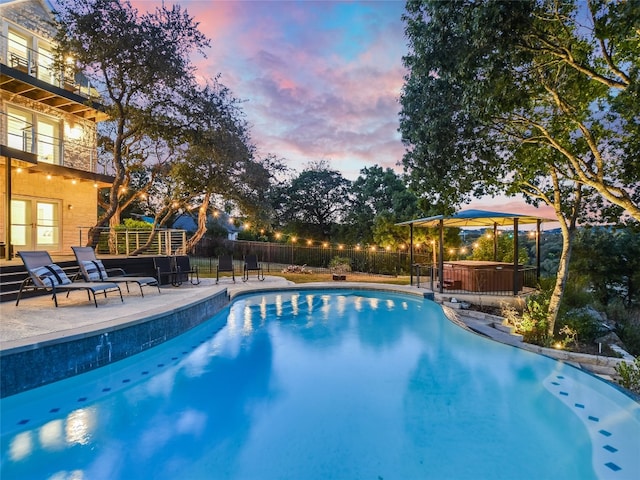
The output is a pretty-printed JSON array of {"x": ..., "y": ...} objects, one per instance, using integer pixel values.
[
  {"x": 441, "y": 259},
  {"x": 411, "y": 253},
  {"x": 495, "y": 242},
  {"x": 515, "y": 256}
]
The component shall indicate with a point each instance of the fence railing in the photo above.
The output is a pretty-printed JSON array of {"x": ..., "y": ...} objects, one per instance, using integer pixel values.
[
  {"x": 488, "y": 281},
  {"x": 40, "y": 64},
  {"x": 274, "y": 257},
  {"x": 378, "y": 261},
  {"x": 124, "y": 242}
]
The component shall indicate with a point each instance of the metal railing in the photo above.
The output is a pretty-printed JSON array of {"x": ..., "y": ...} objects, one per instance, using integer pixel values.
[
  {"x": 40, "y": 64},
  {"x": 484, "y": 281},
  {"x": 16, "y": 133},
  {"x": 124, "y": 242},
  {"x": 318, "y": 259}
]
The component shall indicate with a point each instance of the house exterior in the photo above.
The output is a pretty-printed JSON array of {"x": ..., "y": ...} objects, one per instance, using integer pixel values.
[{"x": 49, "y": 174}]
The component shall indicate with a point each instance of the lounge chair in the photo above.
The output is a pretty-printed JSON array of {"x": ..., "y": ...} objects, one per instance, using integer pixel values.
[
  {"x": 93, "y": 270},
  {"x": 166, "y": 271},
  {"x": 251, "y": 265},
  {"x": 46, "y": 275},
  {"x": 225, "y": 264},
  {"x": 184, "y": 270}
]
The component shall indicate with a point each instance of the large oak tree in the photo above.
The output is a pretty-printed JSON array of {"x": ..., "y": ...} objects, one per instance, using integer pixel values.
[
  {"x": 139, "y": 62},
  {"x": 538, "y": 97}
]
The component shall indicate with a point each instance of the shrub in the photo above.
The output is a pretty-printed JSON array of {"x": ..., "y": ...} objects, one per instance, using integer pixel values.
[
  {"x": 628, "y": 329},
  {"x": 296, "y": 269},
  {"x": 585, "y": 322},
  {"x": 340, "y": 264},
  {"x": 532, "y": 324},
  {"x": 534, "y": 319},
  {"x": 630, "y": 375},
  {"x": 133, "y": 224}
]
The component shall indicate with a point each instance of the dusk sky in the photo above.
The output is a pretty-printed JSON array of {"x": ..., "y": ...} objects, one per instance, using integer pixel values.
[{"x": 321, "y": 79}]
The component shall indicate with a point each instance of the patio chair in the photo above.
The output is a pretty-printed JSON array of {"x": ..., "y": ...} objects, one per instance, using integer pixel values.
[
  {"x": 225, "y": 264},
  {"x": 184, "y": 270},
  {"x": 46, "y": 275},
  {"x": 93, "y": 270},
  {"x": 251, "y": 265},
  {"x": 166, "y": 271}
]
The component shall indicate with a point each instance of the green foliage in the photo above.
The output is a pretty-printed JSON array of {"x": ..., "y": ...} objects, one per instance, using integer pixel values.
[
  {"x": 609, "y": 261},
  {"x": 630, "y": 375},
  {"x": 534, "y": 319},
  {"x": 141, "y": 63},
  {"x": 340, "y": 264},
  {"x": 577, "y": 294},
  {"x": 502, "y": 95},
  {"x": 377, "y": 192},
  {"x": 532, "y": 322},
  {"x": 318, "y": 196},
  {"x": 628, "y": 325},
  {"x": 133, "y": 224},
  {"x": 484, "y": 249},
  {"x": 583, "y": 323}
]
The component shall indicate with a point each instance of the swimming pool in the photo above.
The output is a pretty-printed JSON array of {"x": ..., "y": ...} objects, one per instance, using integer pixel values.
[{"x": 322, "y": 384}]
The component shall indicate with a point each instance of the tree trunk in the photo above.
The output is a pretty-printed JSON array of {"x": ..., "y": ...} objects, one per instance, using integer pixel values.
[
  {"x": 113, "y": 238},
  {"x": 568, "y": 230},
  {"x": 202, "y": 224},
  {"x": 561, "y": 277}
]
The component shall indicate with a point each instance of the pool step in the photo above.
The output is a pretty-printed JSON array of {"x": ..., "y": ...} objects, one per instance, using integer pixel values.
[{"x": 506, "y": 328}]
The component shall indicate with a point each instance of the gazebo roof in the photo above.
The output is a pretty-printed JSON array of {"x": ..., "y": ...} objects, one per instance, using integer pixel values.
[{"x": 476, "y": 218}]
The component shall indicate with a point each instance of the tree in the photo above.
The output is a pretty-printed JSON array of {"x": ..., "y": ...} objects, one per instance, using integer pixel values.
[
  {"x": 218, "y": 159},
  {"x": 140, "y": 62},
  {"x": 317, "y": 197},
  {"x": 376, "y": 192},
  {"x": 500, "y": 77},
  {"x": 483, "y": 248},
  {"x": 609, "y": 258},
  {"x": 523, "y": 97}
]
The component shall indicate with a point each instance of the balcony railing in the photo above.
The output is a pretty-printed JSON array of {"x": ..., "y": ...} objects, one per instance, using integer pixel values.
[
  {"x": 53, "y": 150},
  {"x": 40, "y": 65}
]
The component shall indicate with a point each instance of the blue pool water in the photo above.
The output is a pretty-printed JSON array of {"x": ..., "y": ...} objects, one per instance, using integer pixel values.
[{"x": 316, "y": 385}]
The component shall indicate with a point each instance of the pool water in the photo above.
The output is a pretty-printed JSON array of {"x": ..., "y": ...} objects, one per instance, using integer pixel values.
[{"x": 321, "y": 384}]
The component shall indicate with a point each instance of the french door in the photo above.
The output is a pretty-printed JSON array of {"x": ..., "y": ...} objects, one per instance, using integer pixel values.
[{"x": 35, "y": 224}]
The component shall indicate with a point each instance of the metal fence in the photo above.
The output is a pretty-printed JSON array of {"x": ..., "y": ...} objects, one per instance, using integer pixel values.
[
  {"x": 315, "y": 258},
  {"x": 275, "y": 257}
]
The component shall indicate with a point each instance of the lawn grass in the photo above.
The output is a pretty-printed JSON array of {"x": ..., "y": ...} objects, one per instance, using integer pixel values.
[
  {"x": 351, "y": 277},
  {"x": 328, "y": 277}
]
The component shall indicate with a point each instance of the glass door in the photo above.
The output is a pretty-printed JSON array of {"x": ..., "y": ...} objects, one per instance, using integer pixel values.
[
  {"x": 47, "y": 225},
  {"x": 48, "y": 141},
  {"x": 21, "y": 225},
  {"x": 35, "y": 224}
]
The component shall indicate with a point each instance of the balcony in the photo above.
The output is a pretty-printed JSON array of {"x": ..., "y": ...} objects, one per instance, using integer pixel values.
[
  {"x": 49, "y": 150},
  {"x": 31, "y": 74}
]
